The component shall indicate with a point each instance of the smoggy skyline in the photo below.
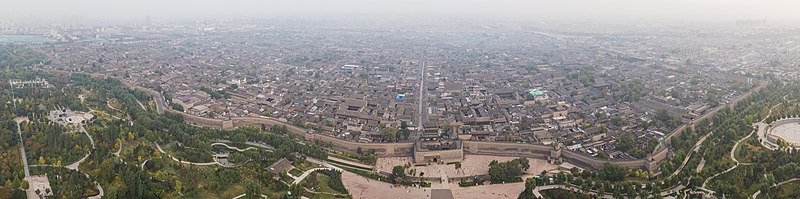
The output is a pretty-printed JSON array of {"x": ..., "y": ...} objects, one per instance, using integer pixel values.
[{"x": 585, "y": 10}]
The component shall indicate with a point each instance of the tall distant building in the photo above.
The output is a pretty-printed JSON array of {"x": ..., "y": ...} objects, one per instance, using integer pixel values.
[{"x": 751, "y": 22}]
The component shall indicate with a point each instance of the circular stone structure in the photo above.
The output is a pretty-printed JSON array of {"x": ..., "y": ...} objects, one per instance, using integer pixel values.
[{"x": 787, "y": 130}]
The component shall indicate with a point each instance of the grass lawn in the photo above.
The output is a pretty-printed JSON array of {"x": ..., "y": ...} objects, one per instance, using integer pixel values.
[
  {"x": 324, "y": 189},
  {"x": 286, "y": 179},
  {"x": 637, "y": 180},
  {"x": 322, "y": 186},
  {"x": 231, "y": 192},
  {"x": 296, "y": 172}
]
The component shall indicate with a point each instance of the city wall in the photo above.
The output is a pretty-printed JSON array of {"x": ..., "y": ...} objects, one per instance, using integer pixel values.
[
  {"x": 403, "y": 149},
  {"x": 406, "y": 149},
  {"x": 544, "y": 152}
]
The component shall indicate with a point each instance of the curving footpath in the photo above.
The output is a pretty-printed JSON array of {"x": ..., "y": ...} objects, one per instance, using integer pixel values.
[
  {"x": 692, "y": 152},
  {"x": 305, "y": 174},
  {"x": 232, "y": 147},
  {"x": 216, "y": 162},
  {"x": 735, "y": 146},
  {"x": 755, "y": 195},
  {"x": 736, "y": 162},
  {"x": 243, "y": 195}
]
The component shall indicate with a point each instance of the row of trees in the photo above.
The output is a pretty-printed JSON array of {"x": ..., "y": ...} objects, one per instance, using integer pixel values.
[{"x": 11, "y": 173}]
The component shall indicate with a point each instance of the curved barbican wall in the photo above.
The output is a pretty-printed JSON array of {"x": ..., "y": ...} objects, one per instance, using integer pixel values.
[{"x": 771, "y": 137}]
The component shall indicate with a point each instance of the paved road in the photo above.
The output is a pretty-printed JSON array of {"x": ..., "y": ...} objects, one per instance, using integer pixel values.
[
  {"x": 29, "y": 192},
  {"x": 421, "y": 98},
  {"x": 692, "y": 152},
  {"x": 22, "y": 146},
  {"x": 161, "y": 103}
]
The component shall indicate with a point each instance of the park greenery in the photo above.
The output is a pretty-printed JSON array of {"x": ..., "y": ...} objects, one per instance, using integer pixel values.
[
  {"x": 126, "y": 161},
  {"x": 326, "y": 182},
  {"x": 141, "y": 171},
  {"x": 47, "y": 143},
  {"x": 763, "y": 167},
  {"x": 11, "y": 171}
]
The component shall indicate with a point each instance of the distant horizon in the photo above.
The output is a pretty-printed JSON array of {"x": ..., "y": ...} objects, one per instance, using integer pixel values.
[
  {"x": 69, "y": 11},
  {"x": 386, "y": 20}
]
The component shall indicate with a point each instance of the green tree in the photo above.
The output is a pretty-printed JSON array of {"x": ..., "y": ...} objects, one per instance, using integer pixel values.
[
  {"x": 399, "y": 171},
  {"x": 390, "y": 134},
  {"x": 239, "y": 138},
  {"x": 176, "y": 106},
  {"x": 527, "y": 193},
  {"x": 253, "y": 191},
  {"x": 24, "y": 184}
]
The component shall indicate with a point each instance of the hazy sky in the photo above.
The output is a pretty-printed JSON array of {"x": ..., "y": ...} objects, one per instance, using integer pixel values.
[{"x": 666, "y": 10}]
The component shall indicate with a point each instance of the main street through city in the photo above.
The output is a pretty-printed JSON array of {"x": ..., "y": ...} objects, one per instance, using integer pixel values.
[{"x": 421, "y": 96}]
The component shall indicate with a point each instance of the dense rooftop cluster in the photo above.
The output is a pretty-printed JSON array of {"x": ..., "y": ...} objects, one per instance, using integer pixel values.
[{"x": 612, "y": 94}]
